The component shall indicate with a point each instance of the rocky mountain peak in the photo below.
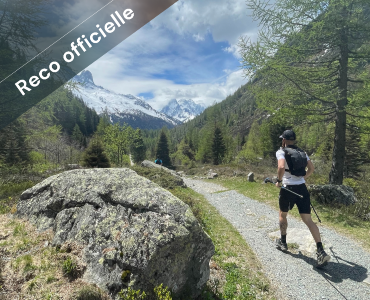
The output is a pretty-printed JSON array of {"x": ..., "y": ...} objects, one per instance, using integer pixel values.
[
  {"x": 85, "y": 77},
  {"x": 182, "y": 109}
]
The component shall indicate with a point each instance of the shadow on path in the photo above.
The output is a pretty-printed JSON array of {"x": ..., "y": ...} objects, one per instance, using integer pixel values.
[{"x": 337, "y": 270}]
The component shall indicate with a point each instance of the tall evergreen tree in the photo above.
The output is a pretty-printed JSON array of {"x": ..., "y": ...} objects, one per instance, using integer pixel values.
[
  {"x": 94, "y": 156},
  {"x": 138, "y": 148},
  {"x": 308, "y": 64},
  {"x": 14, "y": 149},
  {"x": 218, "y": 147},
  {"x": 163, "y": 151},
  {"x": 77, "y": 135}
]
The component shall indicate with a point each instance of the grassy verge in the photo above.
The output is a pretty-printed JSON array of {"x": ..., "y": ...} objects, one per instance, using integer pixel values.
[
  {"x": 333, "y": 217},
  {"x": 235, "y": 270},
  {"x": 32, "y": 269}
]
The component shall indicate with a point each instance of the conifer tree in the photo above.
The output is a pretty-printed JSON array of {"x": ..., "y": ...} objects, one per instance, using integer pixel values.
[
  {"x": 77, "y": 135},
  {"x": 14, "y": 149},
  {"x": 252, "y": 149},
  {"x": 218, "y": 147},
  {"x": 94, "y": 156},
  {"x": 355, "y": 154},
  {"x": 163, "y": 151},
  {"x": 138, "y": 148}
]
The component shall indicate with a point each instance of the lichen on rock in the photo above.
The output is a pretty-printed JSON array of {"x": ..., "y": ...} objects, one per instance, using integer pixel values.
[{"x": 124, "y": 223}]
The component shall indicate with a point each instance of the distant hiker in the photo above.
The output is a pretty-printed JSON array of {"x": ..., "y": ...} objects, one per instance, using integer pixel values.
[
  {"x": 292, "y": 163},
  {"x": 158, "y": 162}
]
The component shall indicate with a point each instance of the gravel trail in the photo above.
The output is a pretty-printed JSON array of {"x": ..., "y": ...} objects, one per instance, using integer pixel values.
[{"x": 345, "y": 277}]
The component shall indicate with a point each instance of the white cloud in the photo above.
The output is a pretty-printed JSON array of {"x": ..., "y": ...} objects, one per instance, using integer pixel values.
[
  {"x": 226, "y": 20},
  {"x": 198, "y": 37},
  {"x": 133, "y": 67},
  {"x": 203, "y": 93}
]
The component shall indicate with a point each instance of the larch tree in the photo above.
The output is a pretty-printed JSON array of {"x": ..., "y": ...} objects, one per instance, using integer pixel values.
[{"x": 309, "y": 65}]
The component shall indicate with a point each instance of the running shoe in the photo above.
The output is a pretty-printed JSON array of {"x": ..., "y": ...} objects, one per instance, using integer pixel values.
[
  {"x": 322, "y": 259},
  {"x": 280, "y": 245}
]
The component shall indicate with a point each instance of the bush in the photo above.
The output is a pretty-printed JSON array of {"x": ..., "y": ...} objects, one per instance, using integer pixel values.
[
  {"x": 162, "y": 293},
  {"x": 90, "y": 292},
  {"x": 69, "y": 268},
  {"x": 131, "y": 294}
]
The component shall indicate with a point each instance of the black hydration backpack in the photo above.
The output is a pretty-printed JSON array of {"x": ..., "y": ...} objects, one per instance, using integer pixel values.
[{"x": 296, "y": 160}]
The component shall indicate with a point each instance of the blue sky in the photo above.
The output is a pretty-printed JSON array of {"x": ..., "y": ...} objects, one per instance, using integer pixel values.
[{"x": 189, "y": 51}]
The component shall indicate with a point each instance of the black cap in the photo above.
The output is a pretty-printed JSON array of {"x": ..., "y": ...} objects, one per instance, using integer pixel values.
[{"x": 288, "y": 135}]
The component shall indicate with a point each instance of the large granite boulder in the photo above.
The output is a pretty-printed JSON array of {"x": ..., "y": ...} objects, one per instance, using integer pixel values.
[
  {"x": 331, "y": 193},
  {"x": 177, "y": 176},
  {"x": 133, "y": 232}
]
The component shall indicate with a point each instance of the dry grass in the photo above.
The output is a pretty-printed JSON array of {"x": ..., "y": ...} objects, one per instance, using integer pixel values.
[{"x": 33, "y": 269}]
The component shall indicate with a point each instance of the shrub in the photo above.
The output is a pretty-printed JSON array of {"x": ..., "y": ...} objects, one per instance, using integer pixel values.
[
  {"x": 131, "y": 294},
  {"x": 69, "y": 268},
  {"x": 162, "y": 293},
  {"x": 89, "y": 292}
]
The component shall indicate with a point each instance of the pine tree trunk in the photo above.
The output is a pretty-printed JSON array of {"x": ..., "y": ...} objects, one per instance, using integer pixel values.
[
  {"x": 339, "y": 150},
  {"x": 337, "y": 167}
]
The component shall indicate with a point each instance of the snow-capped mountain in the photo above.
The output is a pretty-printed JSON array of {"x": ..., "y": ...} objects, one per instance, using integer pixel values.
[
  {"x": 120, "y": 108},
  {"x": 182, "y": 109}
]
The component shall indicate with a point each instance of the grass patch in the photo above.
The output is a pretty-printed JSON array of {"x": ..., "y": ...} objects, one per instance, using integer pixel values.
[
  {"x": 69, "y": 268},
  {"x": 293, "y": 246},
  {"x": 335, "y": 217},
  {"x": 40, "y": 273},
  {"x": 244, "y": 280},
  {"x": 19, "y": 230},
  {"x": 90, "y": 292}
]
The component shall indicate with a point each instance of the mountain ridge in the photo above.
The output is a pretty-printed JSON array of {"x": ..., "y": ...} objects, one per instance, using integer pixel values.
[
  {"x": 120, "y": 108},
  {"x": 182, "y": 109}
]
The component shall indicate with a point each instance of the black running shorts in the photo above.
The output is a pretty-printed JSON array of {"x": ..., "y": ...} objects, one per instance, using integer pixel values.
[{"x": 288, "y": 199}]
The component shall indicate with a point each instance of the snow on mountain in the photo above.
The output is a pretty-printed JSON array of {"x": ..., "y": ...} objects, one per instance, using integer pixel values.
[
  {"x": 120, "y": 108},
  {"x": 182, "y": 109}
]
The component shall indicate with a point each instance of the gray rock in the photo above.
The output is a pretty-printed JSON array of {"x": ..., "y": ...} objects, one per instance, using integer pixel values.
[
  {"x": 212, "y": 175},
  {"x": 133, "y": 232},
  {"x": 177, "y": 176},
  {"x": 331, "y": 193},
  {"x": 251, "y": 177}
]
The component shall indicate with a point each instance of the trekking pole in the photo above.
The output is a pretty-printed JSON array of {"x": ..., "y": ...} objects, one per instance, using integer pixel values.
[{"x": 268, "y": 180}]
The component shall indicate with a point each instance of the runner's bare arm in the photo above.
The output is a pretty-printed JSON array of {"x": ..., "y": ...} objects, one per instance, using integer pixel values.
[
  {"x": 281, "y": 168},
  {"x": 310, "y": 169}
]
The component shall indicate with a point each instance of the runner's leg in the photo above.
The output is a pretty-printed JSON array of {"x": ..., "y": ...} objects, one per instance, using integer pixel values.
[
  {"x": 283, "y": 222},
  {"x": 306, "y": 218}
]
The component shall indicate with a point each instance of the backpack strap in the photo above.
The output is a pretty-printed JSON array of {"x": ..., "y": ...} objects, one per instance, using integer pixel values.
[{"x": 288, "y": 159}]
